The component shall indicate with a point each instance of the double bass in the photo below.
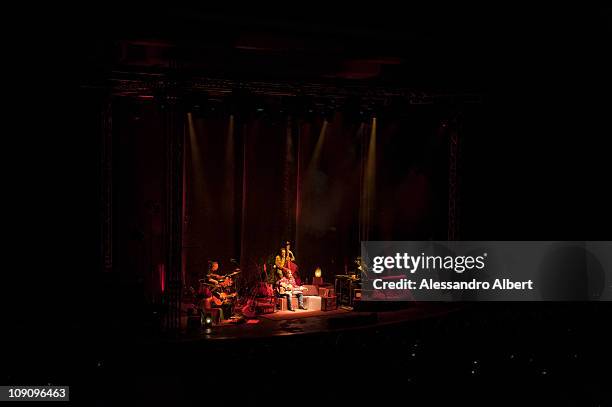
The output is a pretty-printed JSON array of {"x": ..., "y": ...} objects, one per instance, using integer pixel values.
[{"x": 290, "y": 262}]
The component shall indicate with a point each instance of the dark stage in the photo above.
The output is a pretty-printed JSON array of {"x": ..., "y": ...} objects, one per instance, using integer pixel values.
[{"x": 217, "y": 166}]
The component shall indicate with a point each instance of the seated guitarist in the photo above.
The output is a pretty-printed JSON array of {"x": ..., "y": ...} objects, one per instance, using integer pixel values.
[
  {"x": 217, "y": 295},
  {"x": 223, "y": 301},
  {"x": 287, "y": 286}
]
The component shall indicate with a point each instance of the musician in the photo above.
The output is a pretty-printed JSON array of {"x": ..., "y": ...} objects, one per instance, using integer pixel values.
[
  {"x": 280, "y": 262},
  {"x": 286, "y": 261},
  {"x": 287, "y": 286},
  {"x": 219, "y": 294},
  {"x": 361, "y": 267},
  {"x": 213, "y": 271}
]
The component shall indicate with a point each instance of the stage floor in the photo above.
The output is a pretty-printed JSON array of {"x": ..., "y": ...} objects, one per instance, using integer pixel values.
[{"x": 286, "y": 323}]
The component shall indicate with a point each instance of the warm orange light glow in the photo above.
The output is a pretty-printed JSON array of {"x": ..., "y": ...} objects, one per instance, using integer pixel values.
[
  {"x": 230, "y": 186},
  {"x": 368, "y": 187},
  {"x": 316, "y": 155}
]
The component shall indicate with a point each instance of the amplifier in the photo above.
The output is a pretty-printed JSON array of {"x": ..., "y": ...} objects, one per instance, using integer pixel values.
[
  {"x": 326, "y": 292},
  {"x": 265, "y": 308},
  {"x": 329, "y": 303}
]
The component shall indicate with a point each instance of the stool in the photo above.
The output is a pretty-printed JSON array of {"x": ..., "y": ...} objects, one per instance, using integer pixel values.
[{"x": 281, "y": 302}]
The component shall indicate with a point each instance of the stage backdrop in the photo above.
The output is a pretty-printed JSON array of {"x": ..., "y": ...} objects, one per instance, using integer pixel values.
[{"x": 253, "y": 182}]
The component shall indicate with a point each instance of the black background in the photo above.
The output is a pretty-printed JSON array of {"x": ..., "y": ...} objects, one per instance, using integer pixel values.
[{"x": 540, "y": 170}]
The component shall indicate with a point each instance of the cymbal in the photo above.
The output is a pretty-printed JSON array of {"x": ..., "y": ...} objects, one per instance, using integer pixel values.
[{"x": 233, "y": 273}]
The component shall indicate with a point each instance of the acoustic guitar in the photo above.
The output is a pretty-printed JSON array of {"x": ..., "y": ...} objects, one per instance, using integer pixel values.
[
  {"x": 285, "y": 289},
  {"x": 221, "y": 298},
  {"x": 289, "y": 289}
]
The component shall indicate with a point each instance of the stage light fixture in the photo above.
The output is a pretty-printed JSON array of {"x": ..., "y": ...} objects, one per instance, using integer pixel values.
[
  {"x": 208, "y": 324},
  {"x": 318, "y": 272},
  {"x": 196, "y": 103},
  {"x": 206, "y": 321}
]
